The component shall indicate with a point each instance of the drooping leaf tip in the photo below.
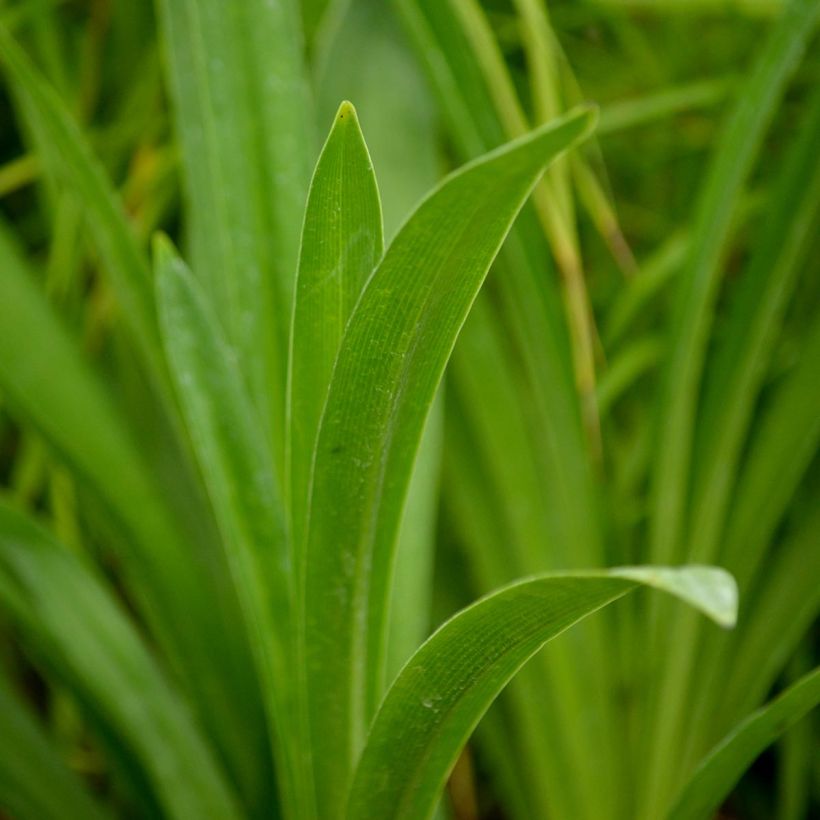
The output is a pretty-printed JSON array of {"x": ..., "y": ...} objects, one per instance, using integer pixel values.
[{"x": 711, "y": 590}]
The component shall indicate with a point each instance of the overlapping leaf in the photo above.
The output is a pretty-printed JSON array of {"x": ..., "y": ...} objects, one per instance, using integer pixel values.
[
  {"x": 393, "y": 353},
  {"x": 439, "y": 696}
]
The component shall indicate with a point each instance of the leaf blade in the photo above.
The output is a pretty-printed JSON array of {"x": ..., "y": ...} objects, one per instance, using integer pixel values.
[
  {"x": 242, "y": 116},
  {"x": 394, "y": 351},
  {"x": 240, "y": 478},
  {"x": 67, "y": 612},
  {"x": 724, "y": 765},
  {"x": 438, "y": 698},
  {"x": 342, "y": 240}
]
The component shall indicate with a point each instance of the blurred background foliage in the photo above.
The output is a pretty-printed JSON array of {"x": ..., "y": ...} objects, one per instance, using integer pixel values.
[{"x": 542, "y": 450}]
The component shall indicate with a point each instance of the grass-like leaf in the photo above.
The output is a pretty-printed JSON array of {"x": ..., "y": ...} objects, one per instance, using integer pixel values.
[
  {"x": 46, "y": 380},
  {"x": 439, "y": 696},
  {"x": 243, "y": 119},
  {"x": 71, "y": 160},
  {"x": 27, "y": 761},
  {"x": 229, "y": 441},
  {"x": 396, "y": 345},
  {"x": 722, "y": 768},
  {"x": 77, "y": 627}
]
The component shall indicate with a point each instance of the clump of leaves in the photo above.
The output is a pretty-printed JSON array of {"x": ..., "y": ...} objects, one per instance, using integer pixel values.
[{"x": 250, "y": 474}]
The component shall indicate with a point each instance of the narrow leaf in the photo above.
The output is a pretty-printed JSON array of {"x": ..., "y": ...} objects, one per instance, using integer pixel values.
[
  {"x": 341, "y": 244},
  {"x": 67, "y": 614},
  {"x": 724, "y": 765},
  {"x": 27, "y": 761},
  {"x": 174, "y": 584},
  {"x": 732, "y": 162},
  {"x": 70, "y": 158},
  {"x": 230, "y": 444},
  {"x": 430, "y": 711},
  {"x": 242, "y": 114},
  {"x": 393, "y": 353}
]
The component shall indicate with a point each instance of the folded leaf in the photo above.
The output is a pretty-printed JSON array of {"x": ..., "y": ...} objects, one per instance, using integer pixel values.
[
  {"x": 393, "y": 353},
  {"x": 724, "y": 765},
  {"x": 430, "y": 711}
]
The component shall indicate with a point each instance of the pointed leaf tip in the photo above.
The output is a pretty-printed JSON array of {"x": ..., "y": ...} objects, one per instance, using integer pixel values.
[{"x": 347, "y": 111}]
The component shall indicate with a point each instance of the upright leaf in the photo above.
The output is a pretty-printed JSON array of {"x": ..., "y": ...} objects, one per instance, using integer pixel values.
[
  {"x": 230, "y": 445},
  {"x": 243, "y": 119},
  {"x": 175, "y": 584},
  {"x": 393, "y": 353},
  {"x": 341, "y": 244},
  {"x": 733, "y": 159}
]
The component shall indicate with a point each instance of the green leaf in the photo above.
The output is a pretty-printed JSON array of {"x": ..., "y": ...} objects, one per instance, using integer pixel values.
[
  {"x": 341, "y": 244},
  {"x": 68, "y": 155},
  {"x": 67, "y": 614},
  {"x": 738, "y": 367},
  {"x": 175, "y": 584},
  {"x": 732, "y": 162},
  {"x": 229, "y": 442},
  {"x": 671, "y": 479},
  {"x": 724, "y": 765},
  {"x": 28, "y": 761},
  {"x": 242, "y": 112},
  {"x": 430, "y": 711},
  {"x": 393, "y": 353}
]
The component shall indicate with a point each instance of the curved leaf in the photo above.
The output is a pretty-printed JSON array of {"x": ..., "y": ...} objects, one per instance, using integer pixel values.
[
  {"x": 47, "y": 382},
  {"x": 440, "y": 695},
  {"x": 724, "y": 765},
  {"x": 394, "y": 350},
  {"x": 68, "y": 615},
  {"x": 71, "y": 159},
  {"x": 27, "y": 761}
]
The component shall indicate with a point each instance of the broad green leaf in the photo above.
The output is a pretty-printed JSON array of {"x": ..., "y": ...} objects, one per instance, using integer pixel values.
[
  {"x": 341, "y": 244},
  {"x": 396, "y": 345},
  {"x": 243, "y": 117},
  {"x": 28, "y": 761},
  {"x": 430, "y": 711},
  {"x": 66, "y": 613},
  {"x": 722, "y": 768},
  {"x": 398, "y": 126},
  {"x": 71, "y": 159},
  {"x": 47, "y": 383},
  {"x": 229, "y": 441}
]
